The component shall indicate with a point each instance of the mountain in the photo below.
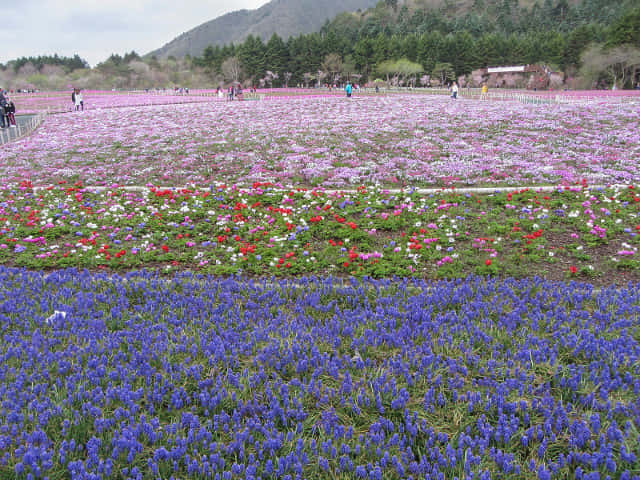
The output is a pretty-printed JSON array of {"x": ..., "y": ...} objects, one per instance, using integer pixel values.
[{"x": 283, "y": 17}]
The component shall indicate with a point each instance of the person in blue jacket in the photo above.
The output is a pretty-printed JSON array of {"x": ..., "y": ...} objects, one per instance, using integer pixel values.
[{"x": 348, "y": 89}]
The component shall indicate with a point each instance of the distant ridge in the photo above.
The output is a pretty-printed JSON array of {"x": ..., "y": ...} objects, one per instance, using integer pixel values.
[{"x": 284, "y": 17}]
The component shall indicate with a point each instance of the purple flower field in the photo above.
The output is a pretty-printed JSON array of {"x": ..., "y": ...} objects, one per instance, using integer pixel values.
[
  {"x": 200, "y": 377},
  {"x": 334, "y": 142}
]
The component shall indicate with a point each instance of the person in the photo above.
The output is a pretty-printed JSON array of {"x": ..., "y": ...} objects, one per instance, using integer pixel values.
[
  {"x": 484, "y": 92},
  {"x": 3, "y": 108},
  {"x": 79, "y": 100},
  {"x": 220, "y": 93},
  {"x": 454, "y": 90},
  {"x": 239, "y": 92},
  {"x": 73, "y": 97},
  {"x": 377, "y": 89},
  {"x": 231, "y": 92},
  {"x": 11, "y": 112},
  {"x": 348, "y": 89}
]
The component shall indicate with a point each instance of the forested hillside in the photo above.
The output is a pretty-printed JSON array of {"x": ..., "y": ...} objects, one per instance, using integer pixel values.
[
  {"x": 282, "y": 17},
  {"x": 478, "y": 16},
  {"x": 590, "y": 43},
  {"x": 447, "y": 40}
]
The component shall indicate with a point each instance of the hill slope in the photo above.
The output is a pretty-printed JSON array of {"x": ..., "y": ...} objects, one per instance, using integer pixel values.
[{"x": 284, "y": 17}]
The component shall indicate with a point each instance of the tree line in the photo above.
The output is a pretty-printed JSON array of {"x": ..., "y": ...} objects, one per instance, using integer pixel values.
[
  {"x": 592, "y": 43},
  {"x": 369, "y": 47}
]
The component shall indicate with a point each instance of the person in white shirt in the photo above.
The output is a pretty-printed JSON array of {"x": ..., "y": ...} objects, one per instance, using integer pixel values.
[
  {"x": 454, "y": 90},
  {"x": 79, "y": 100}
]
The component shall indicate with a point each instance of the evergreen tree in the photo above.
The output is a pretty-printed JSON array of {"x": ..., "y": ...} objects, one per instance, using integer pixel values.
[
  {"x": 276, "y": 56},
  {"x": 251, "y": 55},
  {"x": 626, "y": 30}
]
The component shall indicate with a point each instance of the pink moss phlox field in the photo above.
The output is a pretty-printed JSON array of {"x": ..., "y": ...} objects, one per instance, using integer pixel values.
[
  {"x": 335, "y": 142},
  {"x": 57, "y": 102},
  {"x": 60, "y": 102}
]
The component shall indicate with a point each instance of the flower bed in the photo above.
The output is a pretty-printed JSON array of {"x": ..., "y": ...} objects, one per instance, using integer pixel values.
[
  {"x": 394, "y": 140},
  {"x": 264, "y": 230},
  {"x": 108, "y": 377},
  {"x": 56, "y": 102}
]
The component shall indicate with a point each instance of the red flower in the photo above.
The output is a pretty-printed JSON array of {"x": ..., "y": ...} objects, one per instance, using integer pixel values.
[
  {"x": 165, "y": 248},
  {"x": 573, "y": 269},
  {"x": 487, "y": 262}
]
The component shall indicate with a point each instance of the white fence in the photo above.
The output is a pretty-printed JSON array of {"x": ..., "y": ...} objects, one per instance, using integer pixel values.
[{"x": 22, "y": 128}]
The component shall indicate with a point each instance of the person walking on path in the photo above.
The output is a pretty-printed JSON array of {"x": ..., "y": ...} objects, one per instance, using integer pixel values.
[
  {"x": 454, "y": 90},
  {"x": 484, "y": 92},
  {"x": 348, "y": 89},
  {"x": 79, "y": 101}
]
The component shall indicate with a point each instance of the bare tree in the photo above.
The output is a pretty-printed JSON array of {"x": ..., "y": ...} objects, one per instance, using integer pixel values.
[
  {"x": 287, "y": 76},
  {"x": 332, "y": 65},
  {"x": 617, "y": 65},
  {"x": 321, "y": 76},
  {"x": 232, "y": 69}
]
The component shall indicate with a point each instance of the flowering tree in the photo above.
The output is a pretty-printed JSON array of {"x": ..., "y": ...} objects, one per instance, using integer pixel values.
[{"x": 270, "y": 77}]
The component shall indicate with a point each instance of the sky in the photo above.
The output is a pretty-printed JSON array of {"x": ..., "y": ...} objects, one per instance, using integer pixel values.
[{"x": 94, "y": 29}]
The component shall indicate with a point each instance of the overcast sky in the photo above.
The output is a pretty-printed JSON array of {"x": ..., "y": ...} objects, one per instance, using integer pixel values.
[{"x": 94, "y": 29}]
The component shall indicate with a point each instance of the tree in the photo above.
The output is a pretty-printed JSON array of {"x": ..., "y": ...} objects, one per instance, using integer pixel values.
[
  {"x": 617, "y": 66},
  {"x": 363, "y": 55},
  {"x": 408, "y": 70},
  {"x": 287, "y": 76},
  {"x": 626, "y": 30},
  {"x": 308, "y": 78},
  {"x": 332, "y": 65},
  {"x": 269, "y": 77},
  {"x": 444, "y": 72},
  {"x": 577, "y": 42},
  {"x": 251, "y": 55},
  {"x": 232, "y": 69},
  {"x": 348, "y": 67},
  {"x": 276, "y": 55},
  {"x": 386, "y": 68}
]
